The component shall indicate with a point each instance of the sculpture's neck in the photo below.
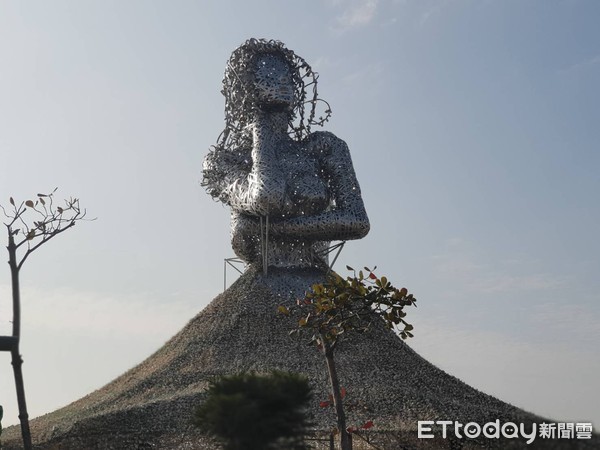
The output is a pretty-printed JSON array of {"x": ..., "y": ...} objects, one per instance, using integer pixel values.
[{"x": 272, "y": 122}]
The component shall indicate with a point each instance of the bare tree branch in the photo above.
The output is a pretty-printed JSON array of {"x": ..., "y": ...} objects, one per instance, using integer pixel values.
[
  {"x": 53, "y": 220},
  {"x": 43, "y": 241}
]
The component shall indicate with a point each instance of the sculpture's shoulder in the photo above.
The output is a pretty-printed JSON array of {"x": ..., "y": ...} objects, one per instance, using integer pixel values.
[{"x": 327, "y": 143}]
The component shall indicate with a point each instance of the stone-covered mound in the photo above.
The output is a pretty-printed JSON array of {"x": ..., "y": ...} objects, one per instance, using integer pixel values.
[{"x": 151, "y": 405}]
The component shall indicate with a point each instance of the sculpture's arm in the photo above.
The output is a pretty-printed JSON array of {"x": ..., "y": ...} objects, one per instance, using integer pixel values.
[
  {"x": 261, "y": 192},
  {"x": 346, "y": 218}
]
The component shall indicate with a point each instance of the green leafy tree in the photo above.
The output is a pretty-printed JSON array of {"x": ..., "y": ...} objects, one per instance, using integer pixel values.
[
  {"x": 341, "y": 306},
  {"x": 256, "y": 412},
  {"x": 30, "y": 224}
]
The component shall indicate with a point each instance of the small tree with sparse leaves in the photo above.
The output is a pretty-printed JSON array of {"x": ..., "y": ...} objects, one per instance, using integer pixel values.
[
  {"x": 30, "y": 224},
  {"x": 341, "y": 306}
]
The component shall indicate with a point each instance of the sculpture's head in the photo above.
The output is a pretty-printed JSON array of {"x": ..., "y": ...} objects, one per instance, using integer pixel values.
[
  {"x": 260, "y": 73},
  {"x": 264, "y": 74},
  {"x": 273, "y": 83}
]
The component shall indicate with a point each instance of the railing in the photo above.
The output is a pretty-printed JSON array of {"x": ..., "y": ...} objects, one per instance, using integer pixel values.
[{"x": 330, "y": 441}]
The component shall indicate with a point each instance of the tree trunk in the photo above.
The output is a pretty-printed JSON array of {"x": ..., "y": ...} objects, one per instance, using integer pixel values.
[
  {"x": 17, "y": 361},
  {"x": 346, "y": 443}
]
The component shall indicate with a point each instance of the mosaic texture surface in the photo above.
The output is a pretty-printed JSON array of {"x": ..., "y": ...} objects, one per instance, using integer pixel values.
[{"x": 291, "y": 191}]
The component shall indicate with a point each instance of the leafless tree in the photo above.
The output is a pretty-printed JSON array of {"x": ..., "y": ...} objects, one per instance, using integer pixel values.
[{"x": 30, "y": 224}]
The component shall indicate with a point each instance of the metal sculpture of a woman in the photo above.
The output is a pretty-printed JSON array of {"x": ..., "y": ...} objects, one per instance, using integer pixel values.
[{"x": 291, "y": 192}]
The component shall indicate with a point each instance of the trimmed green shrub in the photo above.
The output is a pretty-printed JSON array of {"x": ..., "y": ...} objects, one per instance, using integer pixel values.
[{"x": 256, "y": 412}]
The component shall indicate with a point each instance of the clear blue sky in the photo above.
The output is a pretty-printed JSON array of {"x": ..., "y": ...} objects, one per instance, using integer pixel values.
[{"x": 473, "y": 127}]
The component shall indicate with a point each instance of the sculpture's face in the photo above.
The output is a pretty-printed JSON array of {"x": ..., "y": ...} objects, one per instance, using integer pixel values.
[{"x": 273, "y": 82}]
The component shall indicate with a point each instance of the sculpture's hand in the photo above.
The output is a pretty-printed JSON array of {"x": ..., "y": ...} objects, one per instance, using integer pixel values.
[
  {"x": 261, "y": 191},
  {"x": 266, "y": 181}
]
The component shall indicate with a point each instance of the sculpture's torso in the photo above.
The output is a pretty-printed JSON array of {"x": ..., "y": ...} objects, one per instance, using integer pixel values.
[{"x": 306, "y": 194}]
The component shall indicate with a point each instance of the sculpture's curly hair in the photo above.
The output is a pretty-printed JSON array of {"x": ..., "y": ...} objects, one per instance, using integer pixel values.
[{"x": 231, "y": 153}]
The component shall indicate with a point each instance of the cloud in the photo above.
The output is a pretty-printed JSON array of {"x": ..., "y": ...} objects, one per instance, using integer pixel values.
[
  {"x": 556, "y": 381},
  {"x": 544, "y": 356},
  {"x": 589, "y": 63},
  {"x": 577, "y": 323},
  {"x": 503, "y": 282},
  {"x": 368, "y": 74},
  {"x": 87, "y": 313},
  {"x": 357, "y": 13},
  {"x": 323, "y": 63},
  {"x": 461, "y": 264},
  {"x": 428, "y": 13},
  {"x": 432, "y": 10}
]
